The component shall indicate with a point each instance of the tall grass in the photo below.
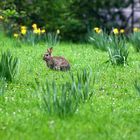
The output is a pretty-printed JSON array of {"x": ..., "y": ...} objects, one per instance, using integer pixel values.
[
  {"x": 63, "y": 100},
  {"x": 99, "y": 40},
  {"x": 137, "y": 86},
  {"x": 117, "y": 50},
  {"x": 9, "y": 66},
  {"x": 82, "y": 83},
  {"x": 58, "y": 101},
  {"x": 31, "y": 38},
  {"x": 2, "y": 86},
  {"x": 52, "y": 39},
  {"x": 134, "y": 38}
]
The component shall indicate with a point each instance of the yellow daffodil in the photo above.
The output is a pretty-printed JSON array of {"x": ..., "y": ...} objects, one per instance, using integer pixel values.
[
  {"x": 16, "y": 35},
  {"x": 23, "y": 31},
  {"x": 37, "y": 31},
  {"x": 136, "y": 29},
  {"x": 115, "y": 31},
  {"x": 1, "y": 17},
  {"x": 58, "y": 31},
  {"x": 34, "y": 26},
  {"x": 23, "y": 27},
  {"x": 43, "y": 31},
  {"x": 97, "y": 30},
  {"x": 122, "y": 31}
]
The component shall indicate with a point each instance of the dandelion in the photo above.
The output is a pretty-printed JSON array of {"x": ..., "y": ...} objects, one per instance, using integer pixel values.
[
  {"x": 34, "y": 26},
  {"x": 97, "y": 30},
  {"x": 122, "y": 31},
  {"x": 43, "y": 31},
  {"x": 136, "y": 29},
  {"x": 58, "y": 31},
  {"x": 16, "y": 35},
  {"x": 115, "y": 31}
]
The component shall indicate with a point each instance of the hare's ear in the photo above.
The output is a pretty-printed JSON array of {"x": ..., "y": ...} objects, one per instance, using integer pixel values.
[{"x": 49, "y": 50}]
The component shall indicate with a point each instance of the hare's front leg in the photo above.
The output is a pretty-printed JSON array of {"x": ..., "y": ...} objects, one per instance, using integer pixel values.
[{"x": 56, "y": 67}]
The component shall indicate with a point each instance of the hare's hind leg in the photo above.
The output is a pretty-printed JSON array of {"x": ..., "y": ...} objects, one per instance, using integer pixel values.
[{"x": 65, "y": 68}]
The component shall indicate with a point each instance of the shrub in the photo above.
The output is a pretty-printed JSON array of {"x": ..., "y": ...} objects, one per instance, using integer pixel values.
[
  {"x": 117, "y": 50},
  {"x": 75, "y": 18},
  {"x": 135, "y": 40},
  {"x": 8, "y": 66},
  {"x": 9, "y": 22}
]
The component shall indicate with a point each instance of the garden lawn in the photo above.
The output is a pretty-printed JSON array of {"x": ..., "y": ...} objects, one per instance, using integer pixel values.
[{"x": 113, "y": 112}]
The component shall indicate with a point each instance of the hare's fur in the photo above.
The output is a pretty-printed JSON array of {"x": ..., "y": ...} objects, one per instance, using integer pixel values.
[{"x": 56, "y": 62}]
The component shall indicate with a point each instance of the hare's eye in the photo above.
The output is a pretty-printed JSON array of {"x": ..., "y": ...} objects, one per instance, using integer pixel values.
[{"x": 47, "y": 55}]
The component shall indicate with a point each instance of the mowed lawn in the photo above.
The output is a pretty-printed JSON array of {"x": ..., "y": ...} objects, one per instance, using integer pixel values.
[{"x": 113, "y": 112}]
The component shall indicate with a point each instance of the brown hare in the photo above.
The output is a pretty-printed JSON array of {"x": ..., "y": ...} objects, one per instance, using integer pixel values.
[{"x": 56, "y": 62}]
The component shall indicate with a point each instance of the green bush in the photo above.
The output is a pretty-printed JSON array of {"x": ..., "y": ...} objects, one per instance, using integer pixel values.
[
  {"x": 75, "y": 18},
  {"x": 8, "y": 66},
  {"x": 10, "y": 23}
]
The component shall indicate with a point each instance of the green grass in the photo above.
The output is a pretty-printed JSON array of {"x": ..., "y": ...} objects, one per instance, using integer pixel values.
[{"x": 113, "y": 112}]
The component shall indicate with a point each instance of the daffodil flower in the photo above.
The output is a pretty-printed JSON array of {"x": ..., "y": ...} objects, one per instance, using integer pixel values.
[
  {"x": 122, "y": 31},
  {"x": 37, "y": 31},
  {"x": 23, "y": 31},
  {"x": 115, "y": 31},
  {"x": 136, "y": 29},
  {"x": 58, "y": 31},
  {"x": 23, "y": 27},
  {"x": 34, "y": 26},
  {"x": 16, "y": 35},
  {"x": 1, "y": 17},
  {"x": 97, "y": 30},
  {"x": 43, "y": 31}
]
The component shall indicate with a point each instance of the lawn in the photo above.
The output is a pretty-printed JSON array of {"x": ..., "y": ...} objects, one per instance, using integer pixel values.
[{"x": 112, "y": 113}]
